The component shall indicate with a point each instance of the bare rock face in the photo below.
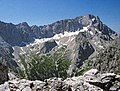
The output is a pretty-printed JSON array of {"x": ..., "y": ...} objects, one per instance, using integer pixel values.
[
  {"x": 15, "y": 34},
  {"x": 48, "y": 46},
  {"x": 5, "y": 60},
  {"x": 92, "y": 80},
  {"x": 83, "y": 48},
  {"x": 108, "y": 59}
]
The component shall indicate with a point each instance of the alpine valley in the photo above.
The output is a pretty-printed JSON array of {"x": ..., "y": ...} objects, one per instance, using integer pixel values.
[{"x": 80, "y": 54}]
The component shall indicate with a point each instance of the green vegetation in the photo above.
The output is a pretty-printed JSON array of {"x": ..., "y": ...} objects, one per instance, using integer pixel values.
[{"x": 42, "y": 67}]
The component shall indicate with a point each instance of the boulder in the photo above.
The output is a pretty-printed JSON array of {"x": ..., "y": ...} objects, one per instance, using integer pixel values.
[{"x": 100, "y": 82}]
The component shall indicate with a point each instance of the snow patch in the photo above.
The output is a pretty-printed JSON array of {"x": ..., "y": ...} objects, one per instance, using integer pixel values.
[
  {"x": 57, "y": 42},
  {"x": 57, "y": 37},
  {"x": 84, "y": 29},
  {"x": 72, "y": 39},
  {"x": 65, "y": 34},
  {"x": 93, "y": 19},
  {"x": 21, "y": 48},
  {"x": 100, "y": 46},
  {"x": 13, "y": 50},
  {"x": 98, "y": 31},
  {"x": 91, "y": 32}
]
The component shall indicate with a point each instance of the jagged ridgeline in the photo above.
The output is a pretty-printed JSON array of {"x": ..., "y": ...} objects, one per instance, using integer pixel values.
[{"x": 64, "y": 48}]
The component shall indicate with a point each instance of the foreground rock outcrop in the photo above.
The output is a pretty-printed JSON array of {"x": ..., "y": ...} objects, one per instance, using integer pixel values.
[{"x": 92, "y": 80}]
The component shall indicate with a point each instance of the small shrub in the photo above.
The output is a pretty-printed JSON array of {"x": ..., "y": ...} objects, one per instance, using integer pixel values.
[{"x": 43, "y": 67}]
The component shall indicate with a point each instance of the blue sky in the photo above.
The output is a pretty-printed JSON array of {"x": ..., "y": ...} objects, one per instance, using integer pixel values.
[{"x": 42, "y": 12}]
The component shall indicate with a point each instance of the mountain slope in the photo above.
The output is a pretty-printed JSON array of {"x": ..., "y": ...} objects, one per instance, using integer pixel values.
[
  {"x": 108, "y": 60},
  {"x": 83, "y": 37}
]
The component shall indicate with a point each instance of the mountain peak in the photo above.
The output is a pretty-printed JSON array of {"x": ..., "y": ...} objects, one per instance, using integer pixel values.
[
  {"x": 88, "y": 23},
  {"x": 24, "y": 24}
]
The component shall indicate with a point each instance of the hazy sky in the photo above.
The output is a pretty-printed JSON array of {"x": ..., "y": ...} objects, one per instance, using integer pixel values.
[{"x": 42, "y": 12}]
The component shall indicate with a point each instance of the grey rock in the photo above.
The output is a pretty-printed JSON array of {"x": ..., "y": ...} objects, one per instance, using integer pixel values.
[
  {"x": 12, "y": 76},
  {"x": 48, "y": 46},
  {"x": 4, "y": 87},
  {"x": 91, "y": 72},
  {"x": 27, "y": 89},
  {"x": 37, "y": 85},
  {"x": 79, "y": 83},
  {"x": 15, "y": 34},
  {"x": 115, "y": 88}
]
